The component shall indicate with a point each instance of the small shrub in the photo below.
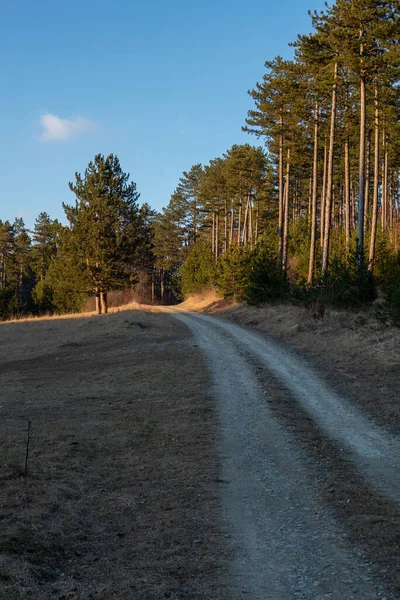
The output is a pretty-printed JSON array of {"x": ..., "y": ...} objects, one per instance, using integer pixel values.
[
  {"x": 67, "y": 301},
  {"x": 233, "y": 272},
  {"x": 58, "y": 290},
  {"x": 198, "y": 271},
  {"x": 42, "y": 295},
  {"x": 265, "y": 281},
  {"x": 299, "y": 250},
  {"x": 9, "y": 304},
  {"x": 387, "y": 265},
  {"x": 343, "y": 285},
  {"x": 393, "y": 301}
]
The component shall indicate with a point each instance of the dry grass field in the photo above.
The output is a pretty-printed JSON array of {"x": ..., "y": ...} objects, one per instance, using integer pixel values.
[{"x": 120, "y": 499}]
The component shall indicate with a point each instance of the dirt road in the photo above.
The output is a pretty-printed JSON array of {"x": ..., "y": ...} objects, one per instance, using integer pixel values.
[{"x": 286, "y": 540}]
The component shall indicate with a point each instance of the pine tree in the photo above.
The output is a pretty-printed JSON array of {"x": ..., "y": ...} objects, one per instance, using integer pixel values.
[
  {"x": 188, "y": 190},
  {"x": 21, "y": 257},
  {"x": 214, "y": 199},
  {"x": 364, "y": 32},
  {"x": 44, "y": 244},
  {"x": 6, "y": 253},
  {"x": 245, "y": 168},
  {"x": 271, "y": 98},
  {"x": 105, "y": 229},
  {"x": 314, "y": 56},
  {"x": 170, "y": 251}
]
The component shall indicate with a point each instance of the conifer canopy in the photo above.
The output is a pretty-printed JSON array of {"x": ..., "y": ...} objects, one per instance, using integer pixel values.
[{"x": 104, "y": 232}]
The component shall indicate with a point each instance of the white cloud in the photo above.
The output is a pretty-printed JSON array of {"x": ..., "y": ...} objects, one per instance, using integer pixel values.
[{"x": 55, "y": 128}]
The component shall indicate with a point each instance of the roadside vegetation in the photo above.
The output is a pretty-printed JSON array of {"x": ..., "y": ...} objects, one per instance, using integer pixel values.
[{"x": 312, "y": 218}]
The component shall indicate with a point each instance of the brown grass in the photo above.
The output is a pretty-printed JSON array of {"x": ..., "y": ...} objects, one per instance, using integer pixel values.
[
  {"x": 121, "y": 497},
  {"x": 203, "y": 300},
  {"x": 80, "y": 315}
]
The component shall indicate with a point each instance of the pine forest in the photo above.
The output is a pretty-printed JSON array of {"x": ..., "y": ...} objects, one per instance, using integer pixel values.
[{"x": 309, "y": 214}]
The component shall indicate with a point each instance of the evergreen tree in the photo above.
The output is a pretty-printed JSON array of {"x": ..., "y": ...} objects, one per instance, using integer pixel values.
[
  {"x": 188, "y": 192},
  {"x": 21, "y": 259},
  {"x": 245, "y": 172},
  {"x": 214, "y": 198},
  {"x": 366, "y": 31},
  {"x": 44, "y": 244},
  {"x": 198, "y": 271},
  {"x": 6, "y": 253},
  {"x": 105, "y": 229}
]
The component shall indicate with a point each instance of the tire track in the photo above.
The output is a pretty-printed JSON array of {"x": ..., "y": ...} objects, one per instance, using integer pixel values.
[{"x": 375, "y": 451}]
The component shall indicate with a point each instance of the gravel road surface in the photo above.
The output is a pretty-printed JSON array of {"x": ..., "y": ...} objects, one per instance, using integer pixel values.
[{"x": 286, "y": 542}]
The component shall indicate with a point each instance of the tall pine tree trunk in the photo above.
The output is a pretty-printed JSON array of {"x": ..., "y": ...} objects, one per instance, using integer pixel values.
[
  {"x": 162, "y": 284},
  {"x": 314, "y": 198},
  {"x": 98, "y": 304},
  {"x": 103, "y": 302},
  {"x": 328, "y": 201},
  {"x": 286, "y": 216},
  {"x": 310, "y": 195},
  {"x": 251, "y": 224},
  {"x": 390, "y": 196},
  {"x": 245, "y": 222},
  {"x": 347, "y": 194},
  {"x": 217, "y": 237},
  {"x": 280, "y": 194},
  {"x": 367, "y": 180},
  {"x": 361, "y": 174},
  {"x": 352, "y": 208},
  {"x": 385, "y": 185},
  {"x": 226, "y": 225},
  {"x": 239, "y": 229},
  {"x": 213, "y": 232},
  {"x": 341, "y": 206},
  {"x": 323, "y": 196},
  {"x": 374, "y": 221},
  {"x": 384, "y": 195},
  {"x": 257, "y": 219}
]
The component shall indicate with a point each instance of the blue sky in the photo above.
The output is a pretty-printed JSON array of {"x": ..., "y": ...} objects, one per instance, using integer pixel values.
[{"x": 161, "y": 84}]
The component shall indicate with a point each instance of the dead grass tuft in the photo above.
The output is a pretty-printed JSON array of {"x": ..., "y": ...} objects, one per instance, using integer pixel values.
[{"x": 202, "y": 301}]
